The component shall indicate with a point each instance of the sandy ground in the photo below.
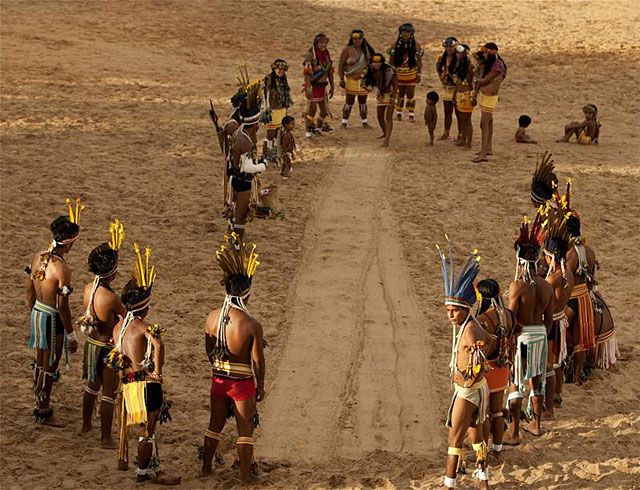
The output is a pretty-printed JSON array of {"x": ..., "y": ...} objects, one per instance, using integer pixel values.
[{"x": 108, "y": 101}]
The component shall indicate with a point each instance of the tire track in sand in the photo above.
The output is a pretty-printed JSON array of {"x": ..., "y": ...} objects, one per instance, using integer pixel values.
[{"x": 354, "y": 374}]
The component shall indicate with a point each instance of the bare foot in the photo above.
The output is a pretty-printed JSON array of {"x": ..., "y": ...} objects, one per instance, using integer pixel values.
[
  {"x": 557, "y": 400},
  {"x": 489, "y": 153},
  {"x": 460, "y": 142},
  {"x": 508, "y": 440},
  {"x": 562, "y": 140},
  {"x": 385, "y": 144},
  {"x": 122, "y": 465},
  {"x": 108, "y": 444},
  {"x": 480, "y": 158},
  {"x": 86, "y": 428},
  {"x": 54, "y": 421},
  {"x": 537, "y": 432},
  {"x": 206, "y": 471},
  {"x": 444, "y": 137},
  {"x": 164, "y": 478},
  {"x": 366, "y": 126},
  {"x": 343, "y": 125},
  {"x": 548, "y": 415},
  {"x": 398, "y": 117}
]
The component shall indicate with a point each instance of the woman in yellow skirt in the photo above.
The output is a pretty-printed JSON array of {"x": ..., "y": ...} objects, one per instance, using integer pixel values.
[
  {"x": 352, "y": 66},
  {"x": 463, "y": 75},
  {"x": 382, "y": 77},
  {"x": 277, "y": 99},
  {"x": 444, "y": 67},
  {"x": 406, "y": 58},
  {"x": 494, "y": 71}
]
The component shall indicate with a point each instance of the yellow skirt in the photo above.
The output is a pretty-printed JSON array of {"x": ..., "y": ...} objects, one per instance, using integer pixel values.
[
  {"x": 353, "y": 86},
  {"x": 406, "y": 76},
  {"x": 384, "y": 99},
  {"x": 276, "y": 118},
  {"x": 583, "y": 139},
  {"x": 463, "y": 102},
  {"x": 447, "y": 93},
  {"x": 487, "y": 103}
]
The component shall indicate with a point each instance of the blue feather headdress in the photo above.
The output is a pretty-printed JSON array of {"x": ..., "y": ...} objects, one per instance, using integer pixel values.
[{"x": 461, "y": 291}]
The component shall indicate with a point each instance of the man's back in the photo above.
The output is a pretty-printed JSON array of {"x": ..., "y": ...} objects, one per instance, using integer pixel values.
[
  {"x": 55, "y": 274},
  {"x": 240, "y": 333},
  {"x": 522, "y": 301},
  {"x": 134, "y": 343}
]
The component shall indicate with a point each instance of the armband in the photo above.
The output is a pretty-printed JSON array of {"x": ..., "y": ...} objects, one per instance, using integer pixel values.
[
  {"x": 65, "y": 290},
  {"x": 247, "y": 166}
]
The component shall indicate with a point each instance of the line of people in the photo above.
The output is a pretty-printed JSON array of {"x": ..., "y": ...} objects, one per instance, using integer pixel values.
[
  {"x": 553, "y": 321},
  {"x": 124, "y": 352}
]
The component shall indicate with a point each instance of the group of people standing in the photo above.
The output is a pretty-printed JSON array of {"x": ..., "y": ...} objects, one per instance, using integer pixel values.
[
  {"x": 124, "y": 351},
  {"x": 553, "y": 320},
  {"x": 468, "y": 79},
  {"x": 553, "y": 323}
]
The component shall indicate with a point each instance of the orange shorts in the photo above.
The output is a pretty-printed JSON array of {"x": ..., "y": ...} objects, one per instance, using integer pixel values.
[{"x": 497, "y": 378}]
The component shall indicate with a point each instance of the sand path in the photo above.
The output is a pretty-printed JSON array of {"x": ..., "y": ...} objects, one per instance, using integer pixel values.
[{"x": 353, "y": 376}]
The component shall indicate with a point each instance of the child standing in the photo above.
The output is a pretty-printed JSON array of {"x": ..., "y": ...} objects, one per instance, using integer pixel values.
[
  {"x": 431, "y": 114},
  {"x": 287, "y": 145}
]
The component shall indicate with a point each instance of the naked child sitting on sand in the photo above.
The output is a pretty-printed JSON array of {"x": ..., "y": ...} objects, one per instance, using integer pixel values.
[{"x": 587, "y": 131}]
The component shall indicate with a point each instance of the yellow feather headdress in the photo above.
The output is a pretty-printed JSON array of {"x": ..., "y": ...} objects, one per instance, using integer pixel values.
[
  {"x": 116, "y": 230},
  {"x": 74, "y": 208},
  {"x": 239, "y": 262}
]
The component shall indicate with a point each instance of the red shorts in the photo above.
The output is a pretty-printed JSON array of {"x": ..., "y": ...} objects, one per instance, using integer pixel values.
[
  {"x": 237, "y": 389},
  {"x": 497, "y": 378}
]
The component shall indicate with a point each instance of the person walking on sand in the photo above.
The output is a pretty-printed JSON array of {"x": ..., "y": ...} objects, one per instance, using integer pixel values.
[
  {"x": 470, "y": 403},
  {"x": 138, "y": 355},
  {"x": 494, "y": 71},
  {"x": 234, "y": 346},
  {"x": 406, "y": 57},
  {"x": 556, "y": 245},
  {"x": 51, "y": 328},
  {"x": 531, "y": 300},
  {"x": 353, "y": 64},
  {"x": 318, "y": 74},
  {"x": 381, "y": 77},
  {"x": 444, "y": 67},
  {"x": 103, "y": 309},
  {"x": 501, "y": 325}
]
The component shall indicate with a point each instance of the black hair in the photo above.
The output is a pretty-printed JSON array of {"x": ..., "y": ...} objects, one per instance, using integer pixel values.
[
  {"x": 237, "y": 285},
  {"x": 489, "y": 60},
  {"x": 573, "y": 226},
  {"x": 369, "y": 77},
  {"x": 443, "y": 62},
  {"x": 433, "y": 96},
  {"x": 273, "y": 77},
  {"x": 399, "y": 51},
  {"x": 102, "y": 259},
  {"x": 368, "y": 49},
  {"x": 489, "y": 289},
  {"x": 524, "y": 121},
  {"x": 461, "y": 68},
  {"x": 286, "y": 120},
  {"x": 491, "y": 46},
  {"x": 62, "y": 228},
  {"x": 133, "y": 295}
]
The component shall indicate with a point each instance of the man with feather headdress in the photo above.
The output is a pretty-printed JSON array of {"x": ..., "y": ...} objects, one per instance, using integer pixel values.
[
  {"x": 531, "y": 299},
  {"x": 234, "y": 346},
  {"x": 470, "y": 404}
]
